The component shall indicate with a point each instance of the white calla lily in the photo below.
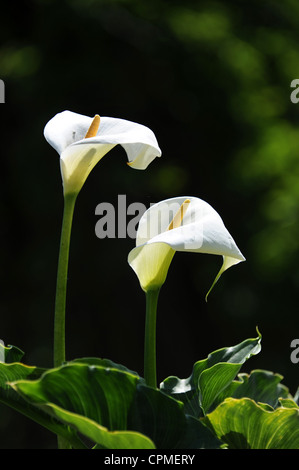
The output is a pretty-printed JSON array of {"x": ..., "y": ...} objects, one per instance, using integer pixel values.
[
  {"x": 82, "y": 141},
  {"x": 196, "y": 227},
  {"x": 176, "y": 224}
]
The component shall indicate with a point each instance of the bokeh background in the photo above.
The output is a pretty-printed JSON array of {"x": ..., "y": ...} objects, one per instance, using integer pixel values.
[{"x": 212, "y": 80}]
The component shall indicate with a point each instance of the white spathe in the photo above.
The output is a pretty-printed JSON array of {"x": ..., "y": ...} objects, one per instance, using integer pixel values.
[
  {"x": 66, "y": 131},
  {"x": 201, "y": 231}
]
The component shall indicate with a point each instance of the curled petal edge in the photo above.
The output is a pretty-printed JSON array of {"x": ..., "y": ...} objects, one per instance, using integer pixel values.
[{"x": 227, "y": 263}]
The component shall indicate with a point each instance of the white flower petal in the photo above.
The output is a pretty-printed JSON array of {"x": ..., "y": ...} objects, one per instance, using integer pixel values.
[
  {"x": 138, "y": 141},
  {"x": 151, "y": 263},
  {"x": 227, "y": 263},
  {"x": 66, "y": 132},
  {"x": 69, "y": 128},
  {"x": 77, "y": 162},
  {"x": 66, "y": 128},
  {"x": 202, "y": 231}
]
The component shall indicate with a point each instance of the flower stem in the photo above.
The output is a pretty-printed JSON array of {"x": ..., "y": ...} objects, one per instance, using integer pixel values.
[
  {"x": 60, "y": 303},
  {"x": 150, "y": 373}
]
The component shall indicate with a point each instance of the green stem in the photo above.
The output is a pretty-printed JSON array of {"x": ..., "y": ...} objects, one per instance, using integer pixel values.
[
  {"x": 150, "y": 373},
  {"x": 59, "y": 321},
  {"x": 60, "y": 302}
]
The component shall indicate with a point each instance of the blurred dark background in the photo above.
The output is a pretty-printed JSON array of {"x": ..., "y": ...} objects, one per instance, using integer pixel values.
[{"x": 212, "y": 80}]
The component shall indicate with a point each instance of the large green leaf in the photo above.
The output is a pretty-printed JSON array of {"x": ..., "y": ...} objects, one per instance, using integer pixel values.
[
  {"x": 94, "y": 400},
  {"x": 210, "y": 377},
  {"x": 163, "y": 418},
  {"x": 260, "y": 385},
  {"x": 97, "y": 361},
  {"x": 244, "y": 424},
  {"x": 114, "y": 408},
  {"x": 17, "y": 371},
  {"x": 100, "y": 435}
]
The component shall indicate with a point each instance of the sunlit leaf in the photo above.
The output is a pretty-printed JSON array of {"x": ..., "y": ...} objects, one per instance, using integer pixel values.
[
  {"x": 97, "y": 361},
  {"x": 288, "y": 403},
  {"x": 260, "y": 385},
  {"x": 114, "y": 408},
  {"x": 244, "y": 424},
  {"x": 17, "y": 371},
  {"x": 210, "y": 377}
]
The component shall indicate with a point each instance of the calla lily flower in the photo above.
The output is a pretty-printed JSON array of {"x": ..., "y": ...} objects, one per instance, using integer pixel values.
[
  {"x": 179, "y": 224},
  {"x": 82, "y": 141}
]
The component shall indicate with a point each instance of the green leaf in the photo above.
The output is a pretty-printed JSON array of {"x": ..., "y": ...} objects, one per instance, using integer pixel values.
[
  {"x": 163, "y": 418},
  {"x": 114, "y": 408},
  {"x": 96, "y": 361},
  {"x": 213, "y": 380},
  {"x": 210, "y": 377},
  {"x": 260, "y": 385},
  {"x": 9, "y": 354},
  {"x": 102, "y": 436},
  {"x": 288, "y": 403},
  {"x": 94, "y": 400},
  {"x": 8, "y": 396},
  {"x": 244, "y": 424},
  {"x": 17, "y": 371}
]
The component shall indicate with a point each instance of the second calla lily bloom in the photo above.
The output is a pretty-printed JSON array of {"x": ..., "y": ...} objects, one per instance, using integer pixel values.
[
  {"x": 82, "y": 141},
  {"x": 179, "y": 224}
]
